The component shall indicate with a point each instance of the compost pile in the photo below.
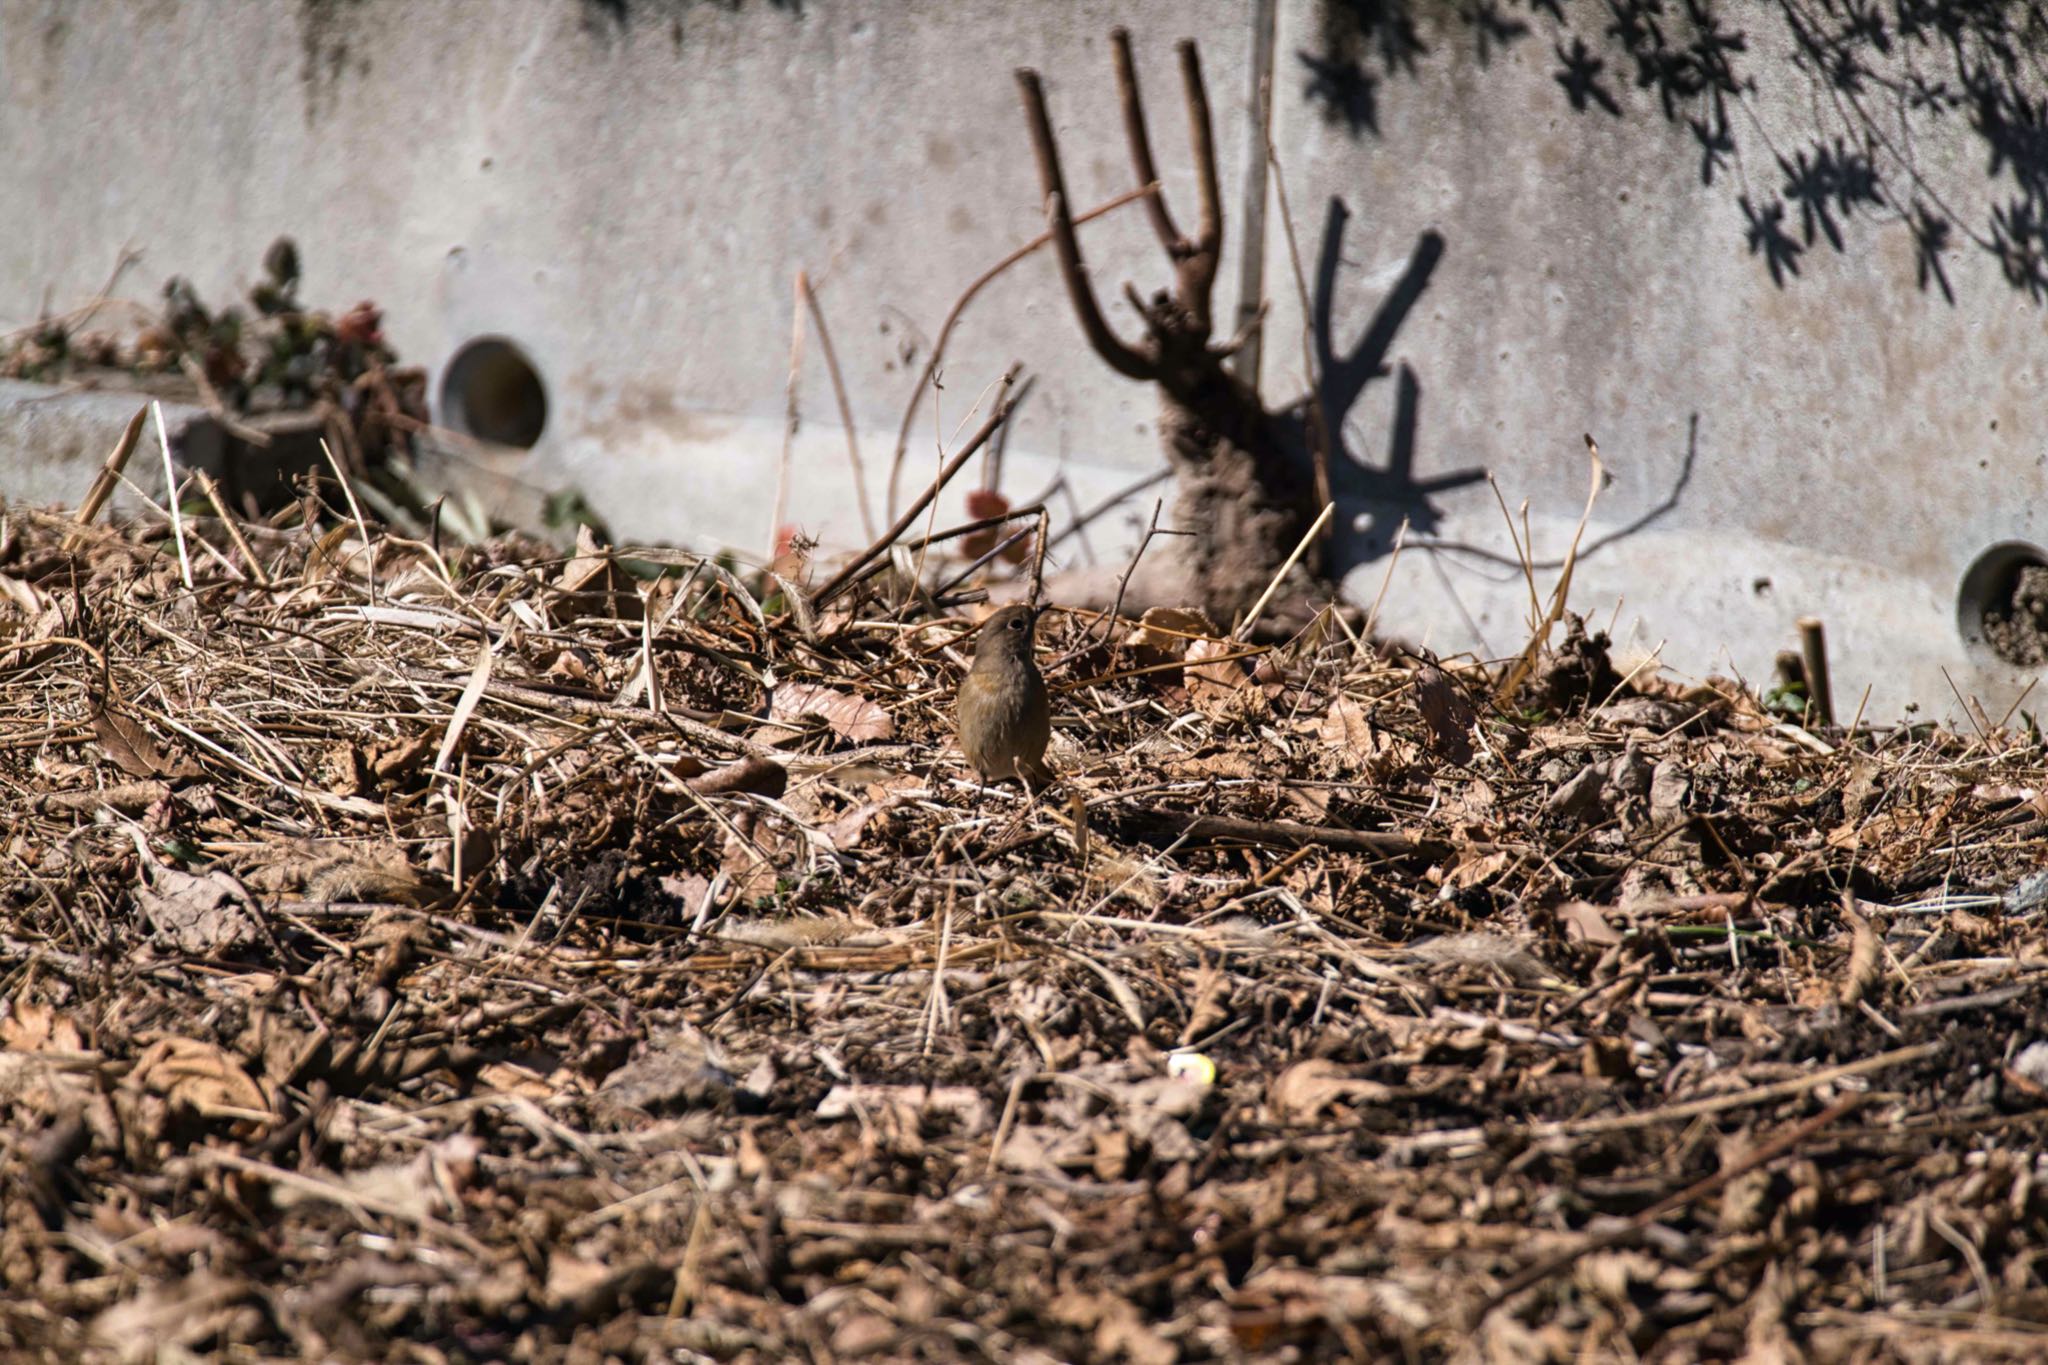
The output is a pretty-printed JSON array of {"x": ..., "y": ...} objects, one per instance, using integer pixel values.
[{"x": 459, "y": 954}]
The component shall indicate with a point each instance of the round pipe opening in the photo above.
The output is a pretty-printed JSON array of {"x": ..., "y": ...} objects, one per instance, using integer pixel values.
[
  {"x": 491, "y": 391},
  {"x": 2002, "y": 606}
]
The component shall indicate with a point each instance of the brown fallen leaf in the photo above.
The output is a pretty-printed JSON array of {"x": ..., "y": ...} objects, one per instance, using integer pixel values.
[
  {"x": 1303, "y": 1091},
  {"x": 163, "y": 1321},
  {"x": 1163, "y": 634},
  {"x": 205, "y": 916},
  {"x": 593, "y": 584},
  {"x": 197, "y": 1075},
  {"x": 1218, "y": 685},
  {"x": 1446, "y": 712},
  {"x": 844, "y": 834},
  {"x": 389, "y": 760},
  {"x": 128, "y": 744},
  {"x": 1585, "y": 922},
  {"x": 851, "y": 717},
  {"x": 1346, "y": 729}
]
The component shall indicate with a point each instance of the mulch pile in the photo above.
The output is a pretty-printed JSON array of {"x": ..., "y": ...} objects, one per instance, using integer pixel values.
[{"x": 446, "y": 954}]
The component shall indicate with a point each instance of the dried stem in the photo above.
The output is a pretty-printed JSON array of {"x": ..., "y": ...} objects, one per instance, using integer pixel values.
[
  {"x": 860, "y": 482},
  {"x": 109, "y": 477},
  {"x": 1199, "y": 275}
]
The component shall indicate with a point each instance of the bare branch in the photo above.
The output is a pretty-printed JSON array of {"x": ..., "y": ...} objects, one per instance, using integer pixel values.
[
  {"x": 1199, "y": 274},
  {"x": 846, "y": 575},
  {"x": 1141, "y": 144},
  {"x": 1126, "y": 361},
  {"x": 938, "y": 351}
]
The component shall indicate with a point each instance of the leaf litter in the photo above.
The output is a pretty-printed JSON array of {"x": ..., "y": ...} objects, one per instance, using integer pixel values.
[{"x": 442, "y": 955}]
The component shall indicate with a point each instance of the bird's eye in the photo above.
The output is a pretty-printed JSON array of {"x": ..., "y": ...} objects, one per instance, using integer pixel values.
[{"x": 1016, "y": 623}]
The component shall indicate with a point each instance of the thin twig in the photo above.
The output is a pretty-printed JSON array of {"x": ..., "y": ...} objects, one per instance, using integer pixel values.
[
  {"x": 163, "y": 440},
  {"x": 860, "y": 482},
  {"x": 109, "y": 478},
  {"x": 839, "y": 581},
  {"x": 800, "y": 289},
  {"x": 980, "y": 282}
]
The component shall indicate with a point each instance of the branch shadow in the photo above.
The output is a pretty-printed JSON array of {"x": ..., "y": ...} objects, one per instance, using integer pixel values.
[
  {"x": 1372, "y": 499},
  {"x": 1642, "y": 521},
  {"x": 1877, "y": 76}
]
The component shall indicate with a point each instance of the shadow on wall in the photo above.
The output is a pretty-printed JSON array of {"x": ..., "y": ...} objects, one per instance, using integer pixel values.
[
  {"x": 1879, "y": 77},
  {"x": 1373, "y": 500}
]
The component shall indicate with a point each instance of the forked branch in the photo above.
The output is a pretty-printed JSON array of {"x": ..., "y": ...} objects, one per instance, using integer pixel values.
[
  {"x": 1195, "y": 260},
  {"x": 1141, "y": 143},
  {"x": 1198, "y": 275},
  {"x": 1125, "y": 360}
]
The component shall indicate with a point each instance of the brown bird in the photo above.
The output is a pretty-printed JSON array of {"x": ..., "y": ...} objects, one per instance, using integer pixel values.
[{"x": 1004, "y": 718}]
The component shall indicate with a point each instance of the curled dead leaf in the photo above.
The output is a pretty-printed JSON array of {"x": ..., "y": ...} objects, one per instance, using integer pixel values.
[
  {"x": 204, "y": 916},
  {"x": 1217, "y": 683},
  {"x": 198, "y": 1076},
  {"x": 851, "y": 717},
  {"x": 1303, "y": 1091},
  {"x": 1163, "y": 634},
  {"x": 1445, "y": 711}
]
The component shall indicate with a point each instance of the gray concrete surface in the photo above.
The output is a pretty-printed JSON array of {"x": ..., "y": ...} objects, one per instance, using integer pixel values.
[
  {"x": 53, "y": 443},
  {"x": 625, "y": 190}
]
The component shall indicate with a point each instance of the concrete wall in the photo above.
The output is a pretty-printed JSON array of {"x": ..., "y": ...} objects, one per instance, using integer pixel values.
[{"x": 625, "y": 188}]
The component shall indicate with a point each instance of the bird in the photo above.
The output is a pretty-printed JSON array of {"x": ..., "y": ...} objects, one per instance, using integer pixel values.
[{"x": 1004, "y": 718}]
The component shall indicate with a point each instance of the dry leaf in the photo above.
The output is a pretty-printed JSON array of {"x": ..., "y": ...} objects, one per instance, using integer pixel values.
[
  {"x": 1445, "y": 711},
  {"x": 509, "y": 1078},
  {"x": 32, "y": 1027},
  {"x": 844, "y": 834},
  {"x": 128, "y": 744},
  {"x": 1475, "y": 869},
  {"x": 1303, "y": 1091},
  {"x": 165, "y": 1320},
  {"x": 196, "y": 1075},
  {"x": 1163, "y": 634},
  {"x": 401, "y": 756},
  {"x": 852, "y": 717},
  {"x": 1219, "y": 688},
  {"x": 205, "y": 916},
  {"x": 1345, "y": 728},
  {"x": 1585, "y": 922},
  {"x": 593, "y": 584}
]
